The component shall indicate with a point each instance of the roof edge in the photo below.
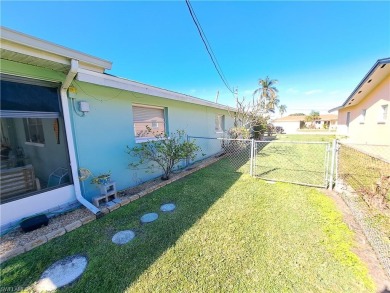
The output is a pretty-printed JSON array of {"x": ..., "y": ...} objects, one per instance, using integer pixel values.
[
  {"x": 112, "y": 81},
  {"x": 40, "y": 44},
  {"x": 365, "y": 78}
]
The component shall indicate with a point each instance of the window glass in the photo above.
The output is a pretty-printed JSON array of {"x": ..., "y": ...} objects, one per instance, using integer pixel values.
[
  {"x": 348, "y": 118},
  {"x": 148, "y": 122},
  {"x": 34, "y": 130},
  {"x": 219, "y": 123},
  {"x": 363, "y": 116},
  {"x": 383, "y": 116}
]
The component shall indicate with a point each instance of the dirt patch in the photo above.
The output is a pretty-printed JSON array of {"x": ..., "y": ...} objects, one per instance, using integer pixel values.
[
  {"x": 19, "y": 238},
  {"x": 363, "y": 248}
]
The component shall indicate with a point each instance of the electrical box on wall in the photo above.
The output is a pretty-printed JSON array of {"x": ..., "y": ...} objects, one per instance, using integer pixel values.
[{"x": 84, "y": 106}]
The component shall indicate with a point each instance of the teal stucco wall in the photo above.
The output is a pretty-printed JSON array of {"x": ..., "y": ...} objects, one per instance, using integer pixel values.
[
  {"x": 101, "y": 136},
  {"x": 103, "y": 133}
]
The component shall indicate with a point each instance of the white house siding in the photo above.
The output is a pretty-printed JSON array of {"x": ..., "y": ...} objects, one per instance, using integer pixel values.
[{"x": 288, "y": 126}]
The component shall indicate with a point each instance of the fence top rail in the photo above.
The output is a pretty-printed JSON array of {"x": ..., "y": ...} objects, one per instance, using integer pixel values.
[
  {"x": 292, "y": 142},
  {"x": 219, "y": 138}
]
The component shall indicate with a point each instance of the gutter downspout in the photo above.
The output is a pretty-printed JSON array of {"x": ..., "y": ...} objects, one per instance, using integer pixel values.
[{"x": 69, "y": 136}]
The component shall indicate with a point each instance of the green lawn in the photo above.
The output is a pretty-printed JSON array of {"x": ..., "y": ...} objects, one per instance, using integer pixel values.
[
  {"x": 297, "y": 162},
  {"x": 362, "y": 172},
  {"x": 306, "y": 137},
  {"x": 230, "y": 232}
]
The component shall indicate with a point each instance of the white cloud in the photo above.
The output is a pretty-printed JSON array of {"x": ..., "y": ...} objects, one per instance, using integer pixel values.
[
  {"x": 292, "y": 91},
  {"x": 312, "y": 92}
]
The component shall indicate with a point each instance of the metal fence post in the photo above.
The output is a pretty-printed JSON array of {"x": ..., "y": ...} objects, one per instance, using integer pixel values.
[
  {"x": 188, "y": 159},
  {"x": 252, "y": 154},
  {"x": 332, "y": 165}
]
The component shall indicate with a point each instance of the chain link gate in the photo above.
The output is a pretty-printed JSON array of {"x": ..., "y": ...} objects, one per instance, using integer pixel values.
[{"x": 305, "y": 163}]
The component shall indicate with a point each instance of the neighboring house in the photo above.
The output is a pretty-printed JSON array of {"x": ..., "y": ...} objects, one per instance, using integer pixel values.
[
  {"x": 325, "y": 121},
  {"x": 292, "y": 124},
  {"x": 364, "y": 116},
  {"x": 60, "y": 112}
]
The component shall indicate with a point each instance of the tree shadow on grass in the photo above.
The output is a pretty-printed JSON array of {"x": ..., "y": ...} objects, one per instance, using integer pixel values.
[{"x": 114, "y": 268}]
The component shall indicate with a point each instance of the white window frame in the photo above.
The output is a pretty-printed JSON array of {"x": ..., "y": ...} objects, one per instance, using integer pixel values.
[
  {"x": 383, "y": 114},
  {"x": 28, "y": 130},
  {"x": 221, "y": 123},
  {"x": 363, "y": 116},
  {"x": 146, "y": 139}
]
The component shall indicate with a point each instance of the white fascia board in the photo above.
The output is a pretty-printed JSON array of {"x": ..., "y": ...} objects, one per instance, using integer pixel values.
[
  {"x": 42, "y": 45},
  {"x": 132, "y": 86},
  {"x": 335, "y": 109}
]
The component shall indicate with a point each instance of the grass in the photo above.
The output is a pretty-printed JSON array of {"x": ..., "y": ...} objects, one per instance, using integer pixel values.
[
  {"x": 362, "y": 172},
  {"x": 230, "y": 232},
  {"x": 294, "y": 162},
  {"x": 306, "y": 137}
]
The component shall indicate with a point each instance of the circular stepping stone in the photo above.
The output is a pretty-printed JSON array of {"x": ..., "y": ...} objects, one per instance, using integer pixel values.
[
  {"x": 169, "y": 207},
  {"x": 123, "y": 237},
  {"x": 62, "y": 273},
  {"x": 147, "y": 218}
]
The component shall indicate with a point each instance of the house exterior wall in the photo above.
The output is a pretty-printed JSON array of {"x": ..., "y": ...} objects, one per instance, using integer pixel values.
[
  {"x": 101, "y": 136},
  {"x": 288, "y": 126},
  {"x": 372, "y": 131}
]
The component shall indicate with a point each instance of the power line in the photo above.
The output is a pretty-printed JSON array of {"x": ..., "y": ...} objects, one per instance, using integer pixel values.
[{"x": 208, "y": 47}]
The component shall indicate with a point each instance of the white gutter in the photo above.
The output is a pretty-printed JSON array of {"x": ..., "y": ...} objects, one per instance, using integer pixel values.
[
  {"x": 69, "y": 135},
  {"x": 137, "y": 87}
]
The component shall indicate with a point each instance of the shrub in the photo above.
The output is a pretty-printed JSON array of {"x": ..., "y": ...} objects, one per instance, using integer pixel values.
[{"x": 165, "y": 151}]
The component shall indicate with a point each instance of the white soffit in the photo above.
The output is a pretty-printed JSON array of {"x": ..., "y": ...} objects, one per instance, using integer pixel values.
[
  {"x": 370, "y": 82},
  {"x": 28, "y": 45},
  {"x": 28, "y": 59},
  {"x": 132, "y": 86}
]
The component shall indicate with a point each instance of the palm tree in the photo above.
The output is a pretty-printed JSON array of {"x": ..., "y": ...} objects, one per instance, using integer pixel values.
[
  {"x": 313, "y": 117},
  {"x": 282, "y": 110},
  {"x": 267, "y": 94}
]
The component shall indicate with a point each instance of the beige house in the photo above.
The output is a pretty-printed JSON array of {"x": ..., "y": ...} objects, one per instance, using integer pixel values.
[
  {"x": 292, "y": 124},
  {"x": 364, "y": 116}
]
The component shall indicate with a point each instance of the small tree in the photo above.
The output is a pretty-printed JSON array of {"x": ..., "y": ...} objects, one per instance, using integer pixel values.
[
  {"x": 164, "y": 151},
  {"x": 250, "y": 120},
  {"x": 314, "y": 116}
]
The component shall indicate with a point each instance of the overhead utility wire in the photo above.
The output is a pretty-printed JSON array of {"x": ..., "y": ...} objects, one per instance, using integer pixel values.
[
  {"x": 208, "y": 47},
  {"x": 208, "y": 43}
]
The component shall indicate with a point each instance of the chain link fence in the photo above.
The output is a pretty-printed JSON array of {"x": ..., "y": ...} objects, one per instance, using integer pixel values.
[
  {"x": 305, "y": 163},
  {"x": 361, "y": 174},
  {"x": 235, "y": 152},
  {"x": 363, "y": 181}
]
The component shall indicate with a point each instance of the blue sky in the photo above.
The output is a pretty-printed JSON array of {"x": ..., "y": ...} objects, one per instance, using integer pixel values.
[{"x": 319, "y": 51}]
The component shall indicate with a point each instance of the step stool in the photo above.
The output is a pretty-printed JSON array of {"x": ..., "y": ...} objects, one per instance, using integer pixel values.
[{"x": 107, "y": 193}]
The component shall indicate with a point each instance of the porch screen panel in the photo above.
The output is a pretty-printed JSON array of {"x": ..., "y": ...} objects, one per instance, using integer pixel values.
[
  {"x": 148, "y": 122},
  {"x": 27, "y": 97},
  {"x": 34, "y": 150}
]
